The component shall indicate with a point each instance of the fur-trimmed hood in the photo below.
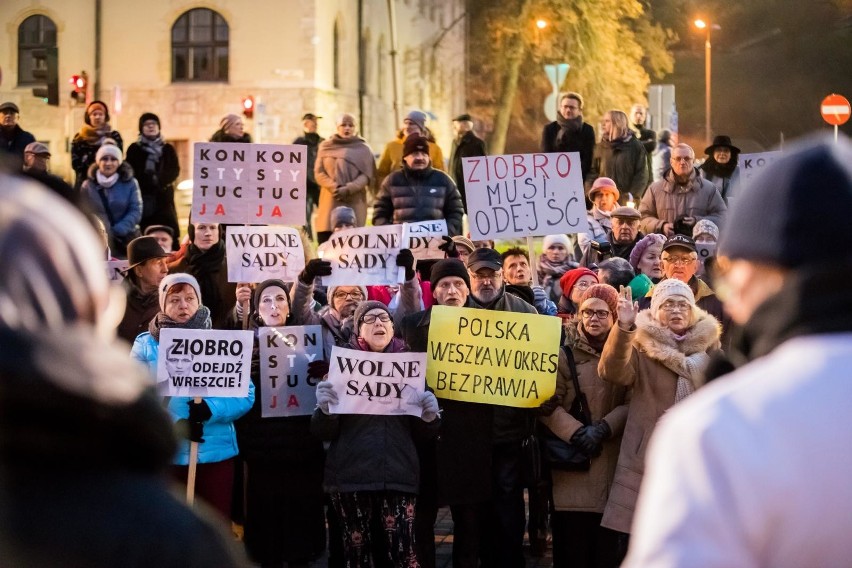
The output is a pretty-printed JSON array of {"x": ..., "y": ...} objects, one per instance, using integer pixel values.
[
  {"x": 125, "y": 171},
  {"x": 688, "y": 357}
]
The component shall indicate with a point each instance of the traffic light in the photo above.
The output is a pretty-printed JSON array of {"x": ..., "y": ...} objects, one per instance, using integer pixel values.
[
  {"x": 79, "y": 85},
  {"x": 46, "y": 69},
  {"x": 248, "y": 107}
]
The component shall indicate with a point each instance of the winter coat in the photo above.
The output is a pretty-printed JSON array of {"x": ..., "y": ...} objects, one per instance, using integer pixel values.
[
  {"x": 469, "y": 146},
  {"x": 312, "y": 140},
  {"x": 666, "y": 201},
  {"x": 139, "y": 311},
  {"x": 220, "y": 136},
  {"x": 83, "y": 155},
  {"x": 725, "y": 184},
  {"x": 157, "y": 187},
  {"x": 586, "y": 490},
  {"x": 210, "y": 268},
  {"x": 371, "y": 452},
  {"x": 661, "y": 161},
  {"x": 706, "y": 299},
  {"x": 649, "y": 359},
  {"x": 626, "y": 163},
  {"x": 220, "y": 437},
  {"x": 409, "y": 195},
  {"x": 15, "y": 141},
  {"x": 123, "y": 198},
  {"x": 391, "y": 158},
  {"x": 346, "y": 163},
  {"x": 582, "y": 142},
  {"x": 599, "y": 224}
]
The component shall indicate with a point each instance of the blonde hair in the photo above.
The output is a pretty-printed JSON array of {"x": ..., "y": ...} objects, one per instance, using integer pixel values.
[{"x": 620, "y": 125}]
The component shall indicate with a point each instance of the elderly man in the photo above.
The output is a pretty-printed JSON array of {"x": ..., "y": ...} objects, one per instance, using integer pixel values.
[
  {"x": 147, "y": 269},
  {"x": 36, "y": 158},
  {"x": 13, "y": 138},
  {"x": 418, "y": 192},
  {"x": 619, "y": 241},
  {"x": 568, "y": 133},
  {"x": 466, "y": 144},
  {"x": 739, "y": 475},
  {"x": 674, "y": 204}
]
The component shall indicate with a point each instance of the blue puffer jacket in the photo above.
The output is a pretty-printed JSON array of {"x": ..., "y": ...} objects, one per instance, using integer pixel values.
[
  {"x": 220, "y": 437},
  {"x": 123, "y": 198}
]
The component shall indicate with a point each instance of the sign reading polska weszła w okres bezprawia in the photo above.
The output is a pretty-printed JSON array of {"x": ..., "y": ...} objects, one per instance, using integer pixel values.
[
  {"x": 204, "y": 362},
  {"x": 258, "y": 253},
  {"x": 285, "y": 352},
  {"x": 492, "y": 357}
]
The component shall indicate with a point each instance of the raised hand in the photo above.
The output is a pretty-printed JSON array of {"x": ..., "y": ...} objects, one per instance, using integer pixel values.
[
  {"x": 326, "y": 395},
  {"x": 626, "y": 309},
  {"x": 315, "y": 267}
]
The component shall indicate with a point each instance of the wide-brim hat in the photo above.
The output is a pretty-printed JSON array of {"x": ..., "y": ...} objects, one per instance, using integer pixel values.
[
  {"x": 721, "y": 141},
  {"x": 141, "y": 249}
]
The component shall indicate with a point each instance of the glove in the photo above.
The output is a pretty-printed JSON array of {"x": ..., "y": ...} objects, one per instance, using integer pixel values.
[
  {"x": 315, "y": 267},
  {"x": 192, "y": 431},
  {"x": 199, "y": 411},
  {"x": 325, "y": 396},
  {"x": 406, "y": 259},
  {"x": 338, "y": 192},
  {"x": 318, "y": 369},
  {"x": 547, "y": 407},
  {"x": 683, "y": 226},
  {"x": 449, "y": 247},
  {"x": 590, "y": 438},
  {"x": 429, "y": 404}
]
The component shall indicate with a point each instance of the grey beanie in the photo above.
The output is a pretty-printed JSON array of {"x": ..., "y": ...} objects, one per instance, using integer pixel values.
[
  {"x": 174, "y": 279},
  {"x": 343, "y": 215}
]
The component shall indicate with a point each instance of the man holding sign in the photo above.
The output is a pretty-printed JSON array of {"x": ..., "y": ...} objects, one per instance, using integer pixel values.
[{"x": 372, "y": 469}]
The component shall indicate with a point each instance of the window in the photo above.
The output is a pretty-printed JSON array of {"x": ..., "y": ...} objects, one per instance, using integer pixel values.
[
  {"x": 200, "y": 46},
  {"x": 335, "y": 69},
  {"x": 34, "y": 33}
]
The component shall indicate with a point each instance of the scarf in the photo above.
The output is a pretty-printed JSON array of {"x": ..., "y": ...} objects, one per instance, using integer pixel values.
[
  {"x": 353, "y": 150},
  {"x": 549, "y": 270},
  {"x": 611, "y": 144},
  {"x": 201, "y": 320},
  {"x": 596, "y": 343},
  {"x": 94, "y": 136},
  {"x": 106, "y": 181},
  {"x": 567, "y": 127},
  {"x": 154, "y": 148}
]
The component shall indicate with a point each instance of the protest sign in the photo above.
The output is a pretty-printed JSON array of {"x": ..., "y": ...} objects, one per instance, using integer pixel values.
[
  {"x": 749, "y": 166},
  {"x": 362, "y": 256},
  {"x": 261, "y": 184},
  {"x": 204, "y": 362},
  {"x": 522, "y": 195},
  {"x": 258, "y": 253},
  {"x": 424, "y": 238},
  {"x": 116, "y": 269},
  {"x": 377, "y": 383},
  {"x": 285, "y": 389},
  {"x": 492, "y": 357}
]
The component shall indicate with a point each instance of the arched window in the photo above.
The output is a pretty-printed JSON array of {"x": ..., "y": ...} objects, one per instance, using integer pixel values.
[
  {"x": 336, "y": 61},
  {"x": 35, "y": 33},
  {"x": 200, "y": 46}
]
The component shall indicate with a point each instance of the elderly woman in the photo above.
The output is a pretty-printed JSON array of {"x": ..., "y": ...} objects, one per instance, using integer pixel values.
[
  {"x": 94, "y": 132},
  {"x": 620, "y": 156},
  {"x": 579, "y": 497},
  {"x": 554, "y": 261},
  {"x": 113, "y": 195},
  {"x": 645, "y": 258},
  {"x": 661, "y": 353},
  {"x": 372, "y": 470},
  {"x": 285, "y": 519},
  {"x": 344, "y": 169},
  {"x": 231, "y": 129},
  {"x": 574, "y": 284},
  {"x": 210, "y": 421}
]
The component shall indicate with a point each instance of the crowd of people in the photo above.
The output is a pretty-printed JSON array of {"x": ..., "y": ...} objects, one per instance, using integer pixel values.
[{"x": 641, "y": 295}]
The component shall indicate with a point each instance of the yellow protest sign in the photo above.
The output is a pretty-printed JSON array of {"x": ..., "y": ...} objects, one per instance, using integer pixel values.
[{"x": 492, "y": 357}]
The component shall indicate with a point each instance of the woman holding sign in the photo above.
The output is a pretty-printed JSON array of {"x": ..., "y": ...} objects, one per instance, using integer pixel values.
[
  {"x": 210, "y": 422},
  {"x": 372, "y": 471},
  {"x": 285, "y": 519}
]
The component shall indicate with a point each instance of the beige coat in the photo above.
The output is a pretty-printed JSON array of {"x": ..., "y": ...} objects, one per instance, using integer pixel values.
[
  {"x": 348, "y": 164},
  {"x": 650, "y": 360},
  {"x": 586, "y": 490},
  {"x": 665, "y": 201}
]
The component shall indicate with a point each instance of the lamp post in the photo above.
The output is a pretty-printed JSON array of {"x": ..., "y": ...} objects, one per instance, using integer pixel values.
[{"x": 702, "y": 25}]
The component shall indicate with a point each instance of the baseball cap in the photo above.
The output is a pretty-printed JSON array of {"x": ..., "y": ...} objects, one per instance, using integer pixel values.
[
  {"x": 681, "y": 241},
  {"x": 9, "y": 106},
  {"x": 310, "y": 116},
  {"x": 484, "y": 258}
]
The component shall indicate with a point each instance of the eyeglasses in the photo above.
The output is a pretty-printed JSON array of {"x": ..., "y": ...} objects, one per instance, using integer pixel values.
[
  {"x": 678, "y": 260},
  {"x": 600, "y": 314},
  {"x": 626, "y": 221},
  {"x": 670, "y": 306},
  {"x": 371, "y": 318},
  {"x": 583, "y": 285},
  {"x": 356, "y": 295},
  {"x": 681, "y": 159},
  {"x": 491, "y": 278}
]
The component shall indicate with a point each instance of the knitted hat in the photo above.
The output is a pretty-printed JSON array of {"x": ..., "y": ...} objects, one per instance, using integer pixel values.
[
  {"x": 448, "y": 267},
  {"x": 464, "y": 242},
  {"x": 415, "y": 143},
  {"x": 109, "y": 148},
  {"x": 228, "y": 121},
  {"x": 418, "y": 117},
  {"x": 604, "y": 184},
  {"x": 365, "y": 307},
  {"x": 706, "y": 227},
  {"x": 551, "y": 240},
  {"x": 93, "y": 106},
  {"x": 603, "y": 292},
  {"x": 570, "y": 278},
  {"x": 146, "y": 117},
  {"x": 172, "y": 280},
  {"x": 654, "y": 239},
  {"x": 641, "y": 285},
  {"x": 668, "y": 288},
  {"x": 343, "y": 215}
]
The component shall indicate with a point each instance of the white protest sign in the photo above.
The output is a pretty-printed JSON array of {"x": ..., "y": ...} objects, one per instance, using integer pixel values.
[
  {"x": 116, "y": 269},
  {"x": 204, "y": 362},
  {"x": 522, "y": 195},
  {"x": 257, "y": 253},
  {"x": 377, "y": 383},
  {"x": 285, "y": 389},
  {"x": 363, "y": 256},
  {"x": 424, "y": 238},
  {"x": 261, "y": 184},
  {"x": 751, "y": 164}
]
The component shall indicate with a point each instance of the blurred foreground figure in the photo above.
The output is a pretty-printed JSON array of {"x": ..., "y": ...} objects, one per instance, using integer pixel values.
[
  {"x": 754, "y": 470},
  {"x": 84, "y": 439}
]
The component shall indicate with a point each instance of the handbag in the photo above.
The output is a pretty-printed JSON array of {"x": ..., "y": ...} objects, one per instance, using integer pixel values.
[{"x": 558, "y": 453}]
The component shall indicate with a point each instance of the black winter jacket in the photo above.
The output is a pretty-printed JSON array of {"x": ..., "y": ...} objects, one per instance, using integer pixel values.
[
  {"x": 468, "y": 147},
  {"x": 582, "y": 142},
  {"x": 15, "y": 141},
  {"x": 408, "y": 195},
  {"x": 157, "y": 188}
]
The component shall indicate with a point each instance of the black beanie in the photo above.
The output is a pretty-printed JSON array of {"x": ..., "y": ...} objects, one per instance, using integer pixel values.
[
  {"x": 263, "y": 286},
  {"x": 448, "y": 267},
  {"x": 796, "y": 212},
  {"x": 146, "y": 117}
]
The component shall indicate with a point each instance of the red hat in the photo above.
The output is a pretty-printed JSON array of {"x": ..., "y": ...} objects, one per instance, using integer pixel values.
[{"x": 570, "y": 278}]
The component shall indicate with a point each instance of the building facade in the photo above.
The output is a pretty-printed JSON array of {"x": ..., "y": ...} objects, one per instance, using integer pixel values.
[{"x": 193, "y": 62}]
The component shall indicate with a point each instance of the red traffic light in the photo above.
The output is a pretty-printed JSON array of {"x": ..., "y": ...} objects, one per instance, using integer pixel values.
[
  {"x": 248, "y": 107},
  {"x": 79, "y": 82}
]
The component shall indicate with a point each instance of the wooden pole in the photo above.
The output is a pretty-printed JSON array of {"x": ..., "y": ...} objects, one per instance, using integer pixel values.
[
  {"x": 533, "y": 260},
  {"x": 193, "y": 464}
]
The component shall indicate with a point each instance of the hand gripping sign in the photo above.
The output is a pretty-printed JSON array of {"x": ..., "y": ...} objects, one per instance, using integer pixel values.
[
  {"x": 257, "y": 253},
  {"x": 492, "y": 357},
  {"x": 424, "y": 237},
  {"x": 377, "y": 383},
  {"x": 285, "y": 388}
]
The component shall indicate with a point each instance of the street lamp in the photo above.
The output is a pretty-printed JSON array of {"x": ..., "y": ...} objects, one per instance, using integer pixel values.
[
  {"x": 541, "y": 24},
  {"x": 702, "y": 25}
]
